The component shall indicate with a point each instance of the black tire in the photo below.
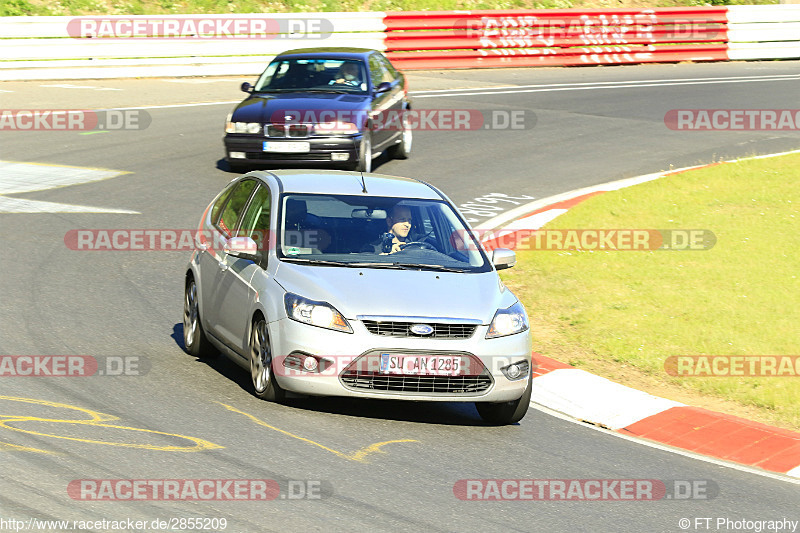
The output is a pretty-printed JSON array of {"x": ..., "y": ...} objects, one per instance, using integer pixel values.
[
  {"x": 364, "y": 163},
  {"x": 265, "y": 386},
  {"x": 195, "y": 341},
  {"x": 403, "y": 149},
  {"x": 239, "y": 168},
  {"x": 504, "y": 413}
]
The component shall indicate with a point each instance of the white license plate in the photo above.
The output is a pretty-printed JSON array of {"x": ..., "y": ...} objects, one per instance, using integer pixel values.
[
  {"x": 421, "y": 365},
  {"x": 289, "y": 147}
]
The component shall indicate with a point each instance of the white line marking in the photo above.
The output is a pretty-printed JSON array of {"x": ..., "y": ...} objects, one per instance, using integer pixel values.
[
  {"x": 18, "y": 178},
  {"x": 764, "y": 78},
  {"x": 596, "y": 86},
  {"x": 195, "y": 80},
  {"x": 69, "y": 86}
]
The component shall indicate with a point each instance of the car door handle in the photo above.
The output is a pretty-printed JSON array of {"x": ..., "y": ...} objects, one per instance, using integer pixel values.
[{"x": 222, "y": 265}]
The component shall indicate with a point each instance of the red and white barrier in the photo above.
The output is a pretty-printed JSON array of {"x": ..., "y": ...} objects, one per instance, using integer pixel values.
[
  {"x": 45, "y": 48},
  {"x": 559, "y": 37}
]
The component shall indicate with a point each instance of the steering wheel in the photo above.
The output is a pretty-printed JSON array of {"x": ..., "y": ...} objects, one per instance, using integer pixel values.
[{"x": 418, "y": 244}]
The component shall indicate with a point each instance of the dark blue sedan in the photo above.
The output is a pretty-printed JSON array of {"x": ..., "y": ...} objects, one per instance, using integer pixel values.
[{"x": 332, "y": 106}]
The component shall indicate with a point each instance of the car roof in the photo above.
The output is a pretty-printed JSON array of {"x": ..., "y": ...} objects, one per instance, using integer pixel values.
[
  {"x": 328, "y": 53},
  {"x": 348, "y": 183}
]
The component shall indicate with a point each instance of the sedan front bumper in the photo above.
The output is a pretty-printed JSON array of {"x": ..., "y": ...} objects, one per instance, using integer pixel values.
[
  {"x": 321, "y": 149},
  {"x": 291, "y": 339}
]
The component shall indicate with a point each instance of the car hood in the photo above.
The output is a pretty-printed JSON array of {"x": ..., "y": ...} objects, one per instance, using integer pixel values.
[
  {"x": 389, "y": 292},
  {"x": 272, "y": 107}
]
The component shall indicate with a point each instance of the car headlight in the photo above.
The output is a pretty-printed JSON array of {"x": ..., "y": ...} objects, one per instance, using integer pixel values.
[
  {"x": 335, "y": 128},
  {"x": 242, "y": 127},
  {"x": 320, "y": 314},
  {"x": 508, "y": 322}
]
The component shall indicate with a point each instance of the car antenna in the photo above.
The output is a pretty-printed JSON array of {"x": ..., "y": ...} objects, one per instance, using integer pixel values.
[{"x": 363, "y": 184}]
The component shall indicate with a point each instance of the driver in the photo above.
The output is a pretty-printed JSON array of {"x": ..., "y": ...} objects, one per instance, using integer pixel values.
[
  {"x": 399, "y": 226},
  {"x": 347, "y": 75}
]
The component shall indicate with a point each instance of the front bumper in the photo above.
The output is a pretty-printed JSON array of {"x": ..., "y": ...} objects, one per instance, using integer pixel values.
[
  {"x": 290, "y": 338},
  {"x": 321, "y": 149}
]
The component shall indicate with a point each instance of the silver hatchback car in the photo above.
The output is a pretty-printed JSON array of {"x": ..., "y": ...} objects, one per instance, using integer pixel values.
[{"x": 335, "y": 283}]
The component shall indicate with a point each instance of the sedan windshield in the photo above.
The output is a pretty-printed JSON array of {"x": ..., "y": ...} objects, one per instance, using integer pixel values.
[
  {"x": 325, "y": 75},
  {"x": 376, "y": 232}
]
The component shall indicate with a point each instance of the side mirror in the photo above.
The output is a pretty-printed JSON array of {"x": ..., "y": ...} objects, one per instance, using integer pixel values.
[
  {"x": 383, "y": 87},
  {"x": 243, "y": 248},
  {"x": 503, "y": 258},
  {"x": 246, "y": 87}
]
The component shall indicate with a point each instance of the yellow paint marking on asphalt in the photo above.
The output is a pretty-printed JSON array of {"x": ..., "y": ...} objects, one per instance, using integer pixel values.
[
  {"x": 8, "y": 447},
  {"x": 359, "y": 455},
  {"x": 96, "y": 419}
]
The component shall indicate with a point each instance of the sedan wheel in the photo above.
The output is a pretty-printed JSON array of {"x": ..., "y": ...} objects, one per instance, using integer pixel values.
[
  {"x": 364, "y": 163},
  {"x": 264, "y": 382},
  {"x": 194, "y": 338},
  {"x": 403, "y": 149},
  {"x": 504, "y": 413}
]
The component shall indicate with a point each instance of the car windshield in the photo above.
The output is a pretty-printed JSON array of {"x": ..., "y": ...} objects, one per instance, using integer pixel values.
[
  {"x": 376, "y": 232},
  {"x": 325, "y": 75}
]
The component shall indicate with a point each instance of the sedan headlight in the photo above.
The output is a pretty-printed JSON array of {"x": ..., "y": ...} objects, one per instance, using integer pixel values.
[
  {"x": 320, "y": 314},
  {"x": 242, "y": 127},
  {"x": 508, "y": 322},
  {"x": 335, "y": 128}
]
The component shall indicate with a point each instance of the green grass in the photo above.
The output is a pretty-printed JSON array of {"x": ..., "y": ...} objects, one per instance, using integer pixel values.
[
  {"x": 161, "y": 7},
  {"x": 637, "y": 308}
]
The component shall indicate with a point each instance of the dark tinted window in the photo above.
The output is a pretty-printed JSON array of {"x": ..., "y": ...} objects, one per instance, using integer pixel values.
[
  {"x": 233, "y": 209},
  {"x": 255, "y": 223},
  {"x": 390, "y": 70},
  {"x": 217, "y": 209},
  {"x": 376, "y": 72}
]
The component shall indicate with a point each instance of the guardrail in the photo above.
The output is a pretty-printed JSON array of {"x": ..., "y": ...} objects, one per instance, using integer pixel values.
[
  {"x": 555, "y": 37},
  {"x": 38, "y": 48},
  {"x": 764, "y": 32}
]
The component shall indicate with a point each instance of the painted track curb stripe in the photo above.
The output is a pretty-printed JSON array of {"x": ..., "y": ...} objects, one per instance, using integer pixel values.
[{"x": 586, "y": 397}]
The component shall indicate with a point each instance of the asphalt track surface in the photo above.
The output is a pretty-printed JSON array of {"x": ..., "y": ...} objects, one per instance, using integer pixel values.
[{"x": 592, "y": 125}]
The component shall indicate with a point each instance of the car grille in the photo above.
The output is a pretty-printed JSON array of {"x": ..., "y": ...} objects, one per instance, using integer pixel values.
[
  {"x": 362, "y": 374},
  {"x": 403, "y": 329},
  {"x": 420, "y": 384},
  {"x": 287, "y": 130}
]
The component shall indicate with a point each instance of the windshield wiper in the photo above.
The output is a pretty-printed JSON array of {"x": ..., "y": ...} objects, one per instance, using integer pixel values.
[
  {"x": 407, "y": 266},
  {"x": 342, "y": 91},
  {"x": 313, "y": 261},
  {"x": 376, "y": 264},
  {"x": 440, "y": 268}
]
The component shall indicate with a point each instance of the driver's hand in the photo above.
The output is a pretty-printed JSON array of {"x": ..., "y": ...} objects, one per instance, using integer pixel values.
[{"x": 395, "y": 247}]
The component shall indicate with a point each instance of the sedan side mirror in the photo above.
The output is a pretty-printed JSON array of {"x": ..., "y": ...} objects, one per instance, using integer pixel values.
[
  {"x": 383, "y": 87},
  {"x": 503, "y": 258},
  {"x": 246, "y": 87},
  {"x": 243, "y": 248}
]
